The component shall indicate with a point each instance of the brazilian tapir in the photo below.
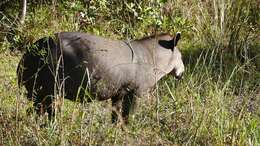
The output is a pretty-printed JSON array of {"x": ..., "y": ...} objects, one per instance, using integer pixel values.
[{"x": 84, "y": 67}]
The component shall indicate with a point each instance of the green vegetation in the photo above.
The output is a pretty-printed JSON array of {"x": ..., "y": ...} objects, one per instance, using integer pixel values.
[{"x": 217, "y": 102}]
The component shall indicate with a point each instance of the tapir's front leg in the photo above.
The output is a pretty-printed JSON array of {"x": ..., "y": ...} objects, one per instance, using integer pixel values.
[
  {"x": 116, "y": 106},
  {"x": 121, "y": 107},
  {"x": 128, "y": 104}
]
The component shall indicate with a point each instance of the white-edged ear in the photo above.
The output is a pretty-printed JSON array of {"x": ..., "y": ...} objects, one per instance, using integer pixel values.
[{"x": 177, "y": 38}]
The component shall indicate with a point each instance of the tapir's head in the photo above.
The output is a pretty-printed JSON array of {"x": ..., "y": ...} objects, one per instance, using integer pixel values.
[
  {"x": 171, "y": 54},
  {"x": 178, "y": 66},
  {"x": 175, "y": 65}
]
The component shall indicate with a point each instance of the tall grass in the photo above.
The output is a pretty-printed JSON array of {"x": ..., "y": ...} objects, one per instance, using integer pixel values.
[{"x": 217, "y": 102}]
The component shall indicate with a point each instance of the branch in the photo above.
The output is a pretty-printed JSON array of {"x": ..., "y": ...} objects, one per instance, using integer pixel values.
[{"x": 23, "y": 13}]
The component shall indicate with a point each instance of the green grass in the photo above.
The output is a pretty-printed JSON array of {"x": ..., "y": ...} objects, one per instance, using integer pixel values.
[
  {"x": 217, "y": 102},
  {"x": 200, "y": 110}
]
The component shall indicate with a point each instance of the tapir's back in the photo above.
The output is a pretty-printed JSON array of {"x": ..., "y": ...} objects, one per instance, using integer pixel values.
[
  {"x": 108, "y": 63},
  {"x": 100, "y": 50}
]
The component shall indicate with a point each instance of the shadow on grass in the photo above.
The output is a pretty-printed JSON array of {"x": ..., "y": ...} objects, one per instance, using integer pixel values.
[{"x": 222, "y": 62}]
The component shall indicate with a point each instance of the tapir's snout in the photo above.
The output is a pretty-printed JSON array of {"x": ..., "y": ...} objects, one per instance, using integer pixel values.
[
  {"x": 177, "y": 74},
  {"x": 179, "y": 77}
]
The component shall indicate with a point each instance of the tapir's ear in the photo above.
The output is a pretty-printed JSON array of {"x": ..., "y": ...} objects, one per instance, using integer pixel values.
[{"x": 177, "y": 38}]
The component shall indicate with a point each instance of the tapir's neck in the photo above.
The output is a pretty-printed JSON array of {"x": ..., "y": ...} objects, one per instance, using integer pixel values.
[{"x": 163, "y": 65}]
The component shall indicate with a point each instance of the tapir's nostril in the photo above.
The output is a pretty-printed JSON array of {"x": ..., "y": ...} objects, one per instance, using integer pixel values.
[{"x": 178, "y": 77}]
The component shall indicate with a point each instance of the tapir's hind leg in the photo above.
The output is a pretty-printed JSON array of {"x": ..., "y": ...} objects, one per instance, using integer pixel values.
[
  {"x": 43, "y": 103},
  {"x": 40, "y": 92}
]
